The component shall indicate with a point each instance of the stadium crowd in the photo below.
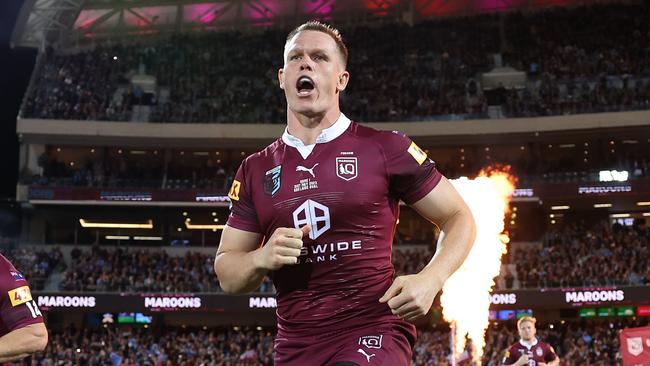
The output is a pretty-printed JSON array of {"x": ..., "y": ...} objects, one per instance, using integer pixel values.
[
  {"x": 577, "y": 256},
  {"x": 107, "y": 270},
  {"x": 119, "y": 171},
  {"x": 574, "y": 256},
  {"x": 431, "y": 70},
  {"x": 36, "y": 265},
  {"x": 585, "y": 343}
]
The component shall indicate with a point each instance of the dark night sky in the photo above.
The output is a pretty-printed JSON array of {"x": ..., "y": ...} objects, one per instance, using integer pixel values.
[{"x": 15, "y": 70}]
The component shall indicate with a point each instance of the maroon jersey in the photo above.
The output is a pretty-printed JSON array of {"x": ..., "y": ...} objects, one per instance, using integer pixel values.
[
  {"x": 537, "y": 352},
  {"x": 17, "y": 308},
  {"x": 347, "y": 187}
]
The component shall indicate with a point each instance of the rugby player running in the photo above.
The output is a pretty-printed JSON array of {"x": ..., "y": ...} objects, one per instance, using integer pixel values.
[
  {"x": 317, "y": 211},
  {"x": 22, "y": 329}
]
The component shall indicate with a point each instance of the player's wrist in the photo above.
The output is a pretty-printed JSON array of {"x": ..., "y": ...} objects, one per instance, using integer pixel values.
[
  {"x": 433, "y": 277},
  {"x": 257, "y": 259}
]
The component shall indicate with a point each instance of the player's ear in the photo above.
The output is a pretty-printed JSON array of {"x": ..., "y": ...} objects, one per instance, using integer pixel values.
[
  {"x": 342, "y": 81},
  {"x": 281, "y": 78}
]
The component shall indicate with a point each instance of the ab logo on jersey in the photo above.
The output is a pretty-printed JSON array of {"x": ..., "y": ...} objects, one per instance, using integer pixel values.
[
  {"x": 417, "y": 153},
  {"x": 314, "y": 214},
  {"x": 272, "y": 181},
  {"x": 19, "y": 295},
  {"x": 234, "y": 190}
]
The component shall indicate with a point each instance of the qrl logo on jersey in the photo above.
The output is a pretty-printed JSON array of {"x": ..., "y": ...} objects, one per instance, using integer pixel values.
[
  {"x": 314, "y": 214},
  {"x": 371, "y": 341},
  {"x": 19, "y": 295},
  {"x": 346, "y": 168}
]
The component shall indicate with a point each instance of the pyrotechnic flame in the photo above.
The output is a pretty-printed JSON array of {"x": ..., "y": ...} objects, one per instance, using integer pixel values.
[{"x": 465, "y": 297}]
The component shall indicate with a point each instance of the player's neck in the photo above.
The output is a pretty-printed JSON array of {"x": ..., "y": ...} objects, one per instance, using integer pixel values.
[
  {"x": 528, "y": 343},
  {"x": 308, "y": 128}
]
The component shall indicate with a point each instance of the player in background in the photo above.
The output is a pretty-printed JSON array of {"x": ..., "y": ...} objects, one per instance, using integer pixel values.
[
  {"x": 317, "y": 210},
  {"x": 22, "y": 330},
  {"x": 530, "y": 351}
]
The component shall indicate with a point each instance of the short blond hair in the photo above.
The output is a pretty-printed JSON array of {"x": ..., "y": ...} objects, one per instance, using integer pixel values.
[
  {"x": 524, "y": 319},
  {"x": 315, "y": 25}
]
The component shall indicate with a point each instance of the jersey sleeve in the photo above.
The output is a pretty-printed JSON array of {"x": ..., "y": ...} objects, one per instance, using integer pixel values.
[
  {"x": 17, "y": 307},
  {"x": 509, "y": 357},
  {"x": 550, "y": 354},
  {"x": 243, "y": 215},
  {"x": 412, "y": 175}
]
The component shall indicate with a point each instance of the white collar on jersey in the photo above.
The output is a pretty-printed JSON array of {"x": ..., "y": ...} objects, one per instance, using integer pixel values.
[
  {"x": 327, "y": 135},
  {"x": 528, "y": 345}
]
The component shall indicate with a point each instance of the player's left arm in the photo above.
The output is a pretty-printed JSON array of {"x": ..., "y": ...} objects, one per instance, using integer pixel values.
[
  {"x": 411, "y": 296},
  {"x": 551, "y": 359},
  {"x": 22, "y": 342}
]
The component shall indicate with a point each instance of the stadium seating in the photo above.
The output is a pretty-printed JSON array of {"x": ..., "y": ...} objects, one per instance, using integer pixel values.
[{"x": 431, "y": 72}]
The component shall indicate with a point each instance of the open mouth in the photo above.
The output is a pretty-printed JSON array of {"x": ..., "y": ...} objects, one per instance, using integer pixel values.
[{"x": 304, "y": 85}]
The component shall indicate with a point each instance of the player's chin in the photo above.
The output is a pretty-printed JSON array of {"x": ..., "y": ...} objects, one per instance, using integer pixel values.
[{"x": 309, "y": 109}]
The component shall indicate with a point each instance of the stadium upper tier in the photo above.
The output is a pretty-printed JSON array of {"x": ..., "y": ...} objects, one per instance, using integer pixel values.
[
  {"x": 561, "y": 61},
  {"x": 192, "y": 168}
]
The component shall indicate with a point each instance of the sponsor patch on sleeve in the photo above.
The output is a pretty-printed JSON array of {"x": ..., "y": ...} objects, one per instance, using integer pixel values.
[
  {"x": 17, "y": 276},
  {"x": 417, "y": 153},
  {"x": 19, "y": 295},
  {"x": 234, "y": 190}
]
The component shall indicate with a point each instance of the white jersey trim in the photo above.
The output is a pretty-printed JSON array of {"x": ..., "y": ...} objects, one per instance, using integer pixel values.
[
  {"x": 527, "y": 344},
  {"x": 327, "y": 135}
]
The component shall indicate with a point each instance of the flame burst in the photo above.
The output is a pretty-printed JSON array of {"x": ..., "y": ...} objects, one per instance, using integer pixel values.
[{"x": 465, "y": 298}]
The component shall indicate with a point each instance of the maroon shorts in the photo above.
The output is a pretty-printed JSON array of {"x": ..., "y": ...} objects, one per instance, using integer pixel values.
[{"x": 381, "y": 345}]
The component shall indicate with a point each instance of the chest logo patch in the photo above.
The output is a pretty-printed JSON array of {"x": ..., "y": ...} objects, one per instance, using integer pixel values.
[
  {"x": 272, "y": 182},
  {"x": 347, "y": 168},
  {"x": 314, "y": 214}
]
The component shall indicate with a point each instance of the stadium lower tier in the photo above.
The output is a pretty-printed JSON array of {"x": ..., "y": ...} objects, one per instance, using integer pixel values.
[{"x": 586, "y": 342}]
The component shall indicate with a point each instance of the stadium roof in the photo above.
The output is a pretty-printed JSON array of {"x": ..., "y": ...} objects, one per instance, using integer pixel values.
[{"x": 61, "y": 23}]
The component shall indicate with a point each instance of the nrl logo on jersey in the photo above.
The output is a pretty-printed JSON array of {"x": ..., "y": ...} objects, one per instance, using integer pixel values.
[{"x": 272, "y": 181}]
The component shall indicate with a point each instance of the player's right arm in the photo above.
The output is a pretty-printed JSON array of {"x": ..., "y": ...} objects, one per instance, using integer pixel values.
[
  {"x": 510, "y": 358},
  {"x": 241, "y": 262},
  {"x": 522, "y": 361},
  {"x": 22, "y": 342},
  {"x": 19, "y": 315}
]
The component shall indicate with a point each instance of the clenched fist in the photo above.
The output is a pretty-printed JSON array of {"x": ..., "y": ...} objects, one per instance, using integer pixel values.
[
  {"x": 410, "y": 297},
  {"x": 282, "y": 248}
]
